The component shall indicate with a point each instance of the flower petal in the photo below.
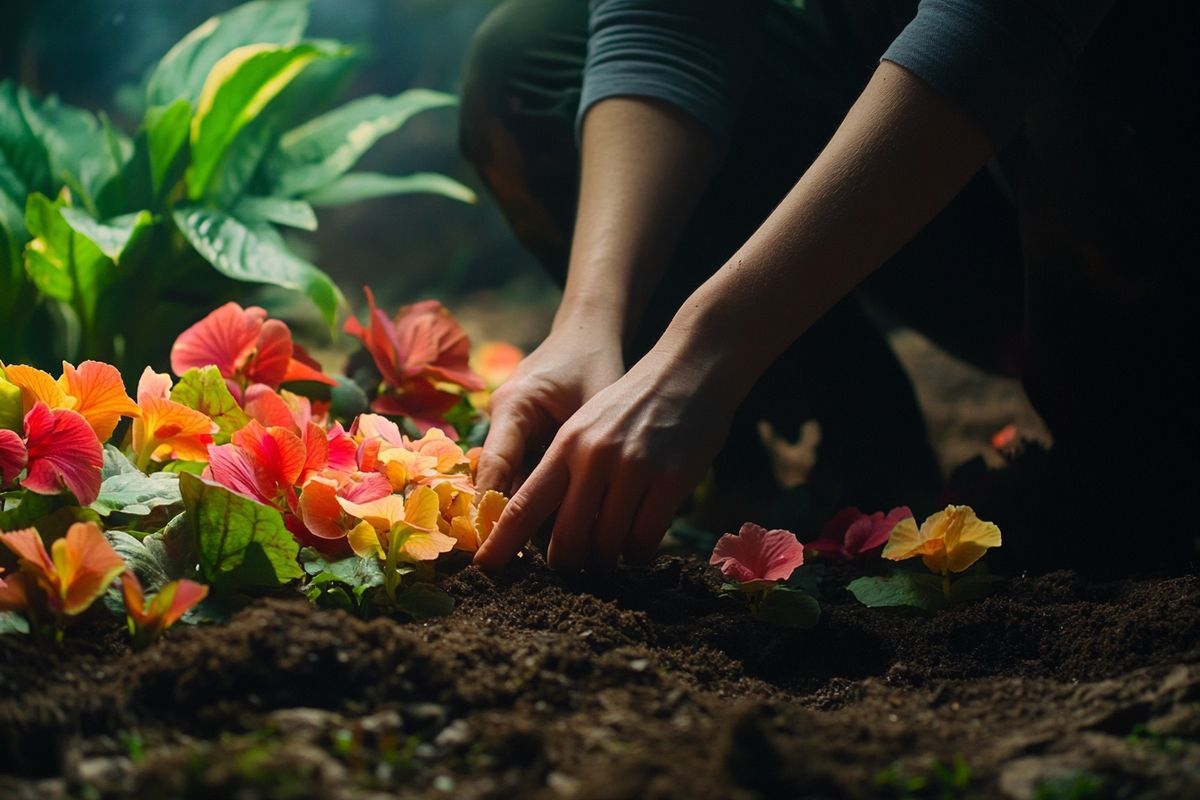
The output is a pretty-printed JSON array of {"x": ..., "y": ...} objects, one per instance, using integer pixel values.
[
  {"x": 13, "y": 456},
  {"x": 100, "y": 395},
  {"x": 37, "y": 387},
  {"x": 364, "y": 540},
  {"x": 233, "y": 468},
  {"x": 26, "y": 544},
  {"x": 320, "y": 510},
  {"x": 63, "y": 453},
  {"x": 272, "y": 355},
  {"x": 224, "y": 339},
  {"x": 86, "y": 565}
]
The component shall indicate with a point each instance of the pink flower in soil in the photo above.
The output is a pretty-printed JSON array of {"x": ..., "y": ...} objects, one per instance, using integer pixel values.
[
  {"x": 852, "y": 535},
  {"x": 756, "y": 554}
]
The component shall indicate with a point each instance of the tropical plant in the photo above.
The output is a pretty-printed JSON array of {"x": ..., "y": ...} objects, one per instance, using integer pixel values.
[{"x": 109, "y": 243}]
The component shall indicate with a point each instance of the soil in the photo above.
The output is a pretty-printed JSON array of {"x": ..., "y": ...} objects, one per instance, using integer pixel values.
[{"x": 645, "y": 684}]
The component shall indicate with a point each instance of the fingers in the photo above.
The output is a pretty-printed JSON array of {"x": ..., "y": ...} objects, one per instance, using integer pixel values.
[
  {"x": 525, "y": 512},
  {"x": 569, "y": 541},
  {"x": 652, "y": 520},
  {"x": 512, "y": 425},
  {"x": 615, "y": 521}
]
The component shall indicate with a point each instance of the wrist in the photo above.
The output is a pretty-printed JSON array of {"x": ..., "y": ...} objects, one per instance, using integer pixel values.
[{"x": 601, "y": 317}]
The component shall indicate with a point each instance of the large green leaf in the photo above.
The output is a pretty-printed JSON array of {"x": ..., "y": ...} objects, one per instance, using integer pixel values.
[
  {"x": 206, "y": 391},
  {"x": 23, "y": 153},
  {"x": 322, "y": 149},
  {"x": 63, "y": 263},
  {"x": 240, "y": 543},
  {"x": 82, "y": 153},
  {"x": 255, "y": 255},
  {"x": 280, "y": 210},
  {"x": 166, "y": 134},
  {"x": 369, "y": 185},
  {"x": 236, "y": 92},
  {"x": 112, "y": 237},
  {"x": 902, "y": 589},
  {"x": 126, "y": 490},
  {"x": 182, "y": 71}
]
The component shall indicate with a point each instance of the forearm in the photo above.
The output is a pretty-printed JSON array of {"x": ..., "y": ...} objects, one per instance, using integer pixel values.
[
  {"x": 898, "y": 158},
  {"x": 644, "y": 167}
]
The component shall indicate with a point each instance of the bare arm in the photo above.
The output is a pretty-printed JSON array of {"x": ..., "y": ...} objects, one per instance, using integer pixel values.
[
  {"x": 644, "y": 166},
  {"x": 621, "y": 465}
]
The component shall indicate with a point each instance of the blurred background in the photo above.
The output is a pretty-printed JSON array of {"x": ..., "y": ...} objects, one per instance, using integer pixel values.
[{"x": 96, "y": 53}]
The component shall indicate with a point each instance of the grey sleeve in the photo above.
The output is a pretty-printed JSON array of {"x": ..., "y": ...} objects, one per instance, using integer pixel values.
[
  {"x": 693, "y": 54},
  {"x": 993, "y": 58}
]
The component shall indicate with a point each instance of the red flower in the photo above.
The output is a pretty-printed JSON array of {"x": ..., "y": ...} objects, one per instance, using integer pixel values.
[
  {"x": 851, "y": 534},
  {"x": 246, "y": 347},
  {"x": 756, "y": 554},
  {"x": 63, "y": 453},
  {"x": 417, "y": 350},
  {"x": 12, "y": 456}
]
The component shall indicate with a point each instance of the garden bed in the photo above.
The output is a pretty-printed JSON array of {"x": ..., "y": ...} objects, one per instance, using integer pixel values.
[{"x": 643, "y": 685}]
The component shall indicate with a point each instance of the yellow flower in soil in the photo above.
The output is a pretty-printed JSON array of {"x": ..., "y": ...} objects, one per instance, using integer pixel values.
[
  {"x": 948, "y": 541},
  {"x": 414, "y": 521}
]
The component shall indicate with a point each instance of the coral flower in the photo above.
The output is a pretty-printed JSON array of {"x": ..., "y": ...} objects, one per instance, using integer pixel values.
[
  {"x": 851, "y": 534},
  {"x": 416, "y": 351},
  {"x": 948, "y": 541},
  {"x": 167, "y": 429},
  {"x": 77, "y": 570},
  {"x": 495, "y": 363},
  {"x": 757, "y": 555},
  {"x": 246, "y": 347},
  {"x": 62, "y": 452},
  {"x": 321, "y": 511},
  {"x": 471, "y": 529},
  {"x": 414, "y": 521},
  {"x": 148, "y": 620}
]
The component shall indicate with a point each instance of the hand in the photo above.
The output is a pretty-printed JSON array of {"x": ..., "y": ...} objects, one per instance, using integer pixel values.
[
  {"x": 575, "y": 362},
  {"x": 618, "y": 469}
]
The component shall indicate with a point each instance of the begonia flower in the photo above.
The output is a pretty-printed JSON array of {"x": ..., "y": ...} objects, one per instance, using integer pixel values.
[
  {"x": 471, "y": 529},
  {"x": 166, "y": 429},
  {"x": 321, "y": 511},
  {"x": 414, "y": 520},
  {"x": 148, "y": 620},
  {"x": 93, "y": 389},
  {"x": 78, "y": 569},
  {"x": 246, "y": 347},
  {"x": 852, "y": 535},
  {"x": 281, "y": 408},
  {"x": 13, "y": 456},
  {"x": 757, "y": 555},
  {"x": 416, "y": 352},
  {"x": 948, "y": 541},
  {"x": 62, "y": 452}
]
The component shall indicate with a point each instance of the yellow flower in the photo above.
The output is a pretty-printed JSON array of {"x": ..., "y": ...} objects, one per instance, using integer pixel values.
[
  {"x": 414, "y": 521},
  {"x": 949, "y": 541}
]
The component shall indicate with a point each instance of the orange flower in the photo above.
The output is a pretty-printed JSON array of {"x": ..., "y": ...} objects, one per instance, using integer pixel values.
[
  {"x": 414, "y": 521},
  {"x": 948, "y": 541},
  {"x": 93, "y": 389},
  {"x": 495, "y": 363},
  {"x": 471, "y": 529},
  {"x": 167, "y": 429},
  {"x": 147, "y": 621},
  {"x": 77, "y": 570}
]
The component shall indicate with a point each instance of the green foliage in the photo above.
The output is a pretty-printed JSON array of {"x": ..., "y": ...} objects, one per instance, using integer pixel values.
[
  {"x": 789, "y": 608},
  {"x": 922, "y": 590},
  {"x": 127, "y": 490},
  {"x": 424, "y": 601},
  {"x": 12, "y": 622},
  {"x": 107, "y": 239},
  {"x": 1078, "y": 785},
  {"x": 938, "y": 782},
  {"x": 239, "y": 543},
  {"x": 204, "y": 389}
]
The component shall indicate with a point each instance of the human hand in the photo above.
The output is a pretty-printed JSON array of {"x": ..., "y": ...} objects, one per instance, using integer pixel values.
[
  {"x": 619, "y": 468},
  {"x": 575, "y": 362}
]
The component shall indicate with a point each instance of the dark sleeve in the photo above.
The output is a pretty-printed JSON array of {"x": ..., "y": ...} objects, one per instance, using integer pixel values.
[
  {"x": 693, "y": 54},
  {"x": 992, "y": 58}
]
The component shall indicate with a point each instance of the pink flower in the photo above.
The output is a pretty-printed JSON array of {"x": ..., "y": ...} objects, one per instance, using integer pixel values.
[
  {"x": 852, "y": 535},
  {"x": 62, "y": 453},
  {"x": 757, "y": 554},
  {"x": 12, "y": 456}
]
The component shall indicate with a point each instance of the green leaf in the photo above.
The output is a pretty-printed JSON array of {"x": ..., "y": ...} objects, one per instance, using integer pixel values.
[
  {"x": 182, "y": 71},
  {"x": 147, "y": 558},
  {"x": 127, "y": 490},
  {"x": 316, "y": 153},
  {"x": 240, "y": 543},
  {"x": 29, "y": 510},
  {"x": 24, "y": 155},
  {"x": 902, "y": 589},
  {"x": 255, "y": 255},
  {"x": 424, "y": 601},
  {"x": 11, "y": 409},
  {"x": 166, "y": 131},
  {"x": 360, "y": 574},
  {"x": 114, "y": 237},
  {"x": 348, "y": 399},
  {"x": 81, "y": 153},
  {"x": 236, "y": 92},
  {"x": 12, "y": 622},
  {"x": 368, "y": 185},
  {"x": 280, "y": 210},
  {"x": 206, "y": 391},
  {"x": 64, "y": 264},
  {"x": 789, "y": 608}
]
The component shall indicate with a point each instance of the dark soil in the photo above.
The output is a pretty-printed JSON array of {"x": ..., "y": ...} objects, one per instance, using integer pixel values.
[{"x": 644, "y": 685}]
